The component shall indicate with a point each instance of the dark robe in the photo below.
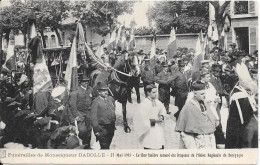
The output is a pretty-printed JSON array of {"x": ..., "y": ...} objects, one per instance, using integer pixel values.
[{"x": 239, "y": 128}]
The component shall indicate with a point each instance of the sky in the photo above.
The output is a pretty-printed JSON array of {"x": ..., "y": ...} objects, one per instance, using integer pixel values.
[{"x": 139, "y": 14}]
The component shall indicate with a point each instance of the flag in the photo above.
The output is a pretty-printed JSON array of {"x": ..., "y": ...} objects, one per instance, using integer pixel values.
[
  {"x": 201, "y": 36},
  {"x": 10, "y": 57},
  {"x": 122, "y": 42},
  {"x": 225, "y": 42},
  {"x": 207, "y": 49},
  {"x": 112, "y": 42},
  {"x": 222, "y": 40},
  {"x": 118, "y": 36},
  {"x": 197, "y": 58},
  {"x": 42, "y": 83},
  {"x": 153, "y": 49},
  {"x": 33, "y": 31},
  {"x": 172, "y": 46},
  {"x": 132, "y": 40},
  {"x": 210, "y": 32},
  {"x": 71, "y": 74}
]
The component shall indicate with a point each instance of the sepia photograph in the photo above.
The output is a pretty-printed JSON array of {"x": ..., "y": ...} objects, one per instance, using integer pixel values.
[{"x": 152, "y": 81}]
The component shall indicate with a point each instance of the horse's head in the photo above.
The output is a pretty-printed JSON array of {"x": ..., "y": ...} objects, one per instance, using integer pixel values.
[{"x": 134, "y": 63}]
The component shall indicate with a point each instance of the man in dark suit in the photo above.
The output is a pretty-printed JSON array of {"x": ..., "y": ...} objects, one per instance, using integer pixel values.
[
  {"x": 164, "y": 88},
  {"x": 82, "y": 101},
  {"x": 180, "y": 83},
  {"x": 103, "y": 117},
  {"x": 147, "y": 75}
]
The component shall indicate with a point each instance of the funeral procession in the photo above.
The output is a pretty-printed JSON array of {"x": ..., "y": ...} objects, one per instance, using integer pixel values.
[{"x": 128, "y": 74}]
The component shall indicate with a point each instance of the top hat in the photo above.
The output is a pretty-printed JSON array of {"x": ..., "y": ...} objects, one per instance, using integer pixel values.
[
  {"x": 216, "y": 67},
  {"x": 83, "y": 78},
  {"x": 102, "y": 86}
]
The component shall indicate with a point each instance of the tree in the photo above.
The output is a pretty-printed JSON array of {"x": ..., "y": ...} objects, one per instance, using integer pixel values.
[
  {"x": 187, "y": 16},
  {"x": 100, "y": 15},
  {"x": 220, "y": 16},
  {"x": 50, "y": 14},
  {"x": 14, "y": 17}
]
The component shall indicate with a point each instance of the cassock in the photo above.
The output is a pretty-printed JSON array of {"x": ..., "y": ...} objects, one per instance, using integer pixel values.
[{"x": 242, "y": 121}]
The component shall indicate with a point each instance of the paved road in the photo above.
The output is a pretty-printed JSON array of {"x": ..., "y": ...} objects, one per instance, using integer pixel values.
[{"x": 124, "y": 140}]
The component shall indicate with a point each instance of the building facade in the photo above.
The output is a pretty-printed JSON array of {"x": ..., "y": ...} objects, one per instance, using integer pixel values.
[{"x": 244, "y": 24}]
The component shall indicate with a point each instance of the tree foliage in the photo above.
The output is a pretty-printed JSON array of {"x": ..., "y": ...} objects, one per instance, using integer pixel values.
[
  {"x": 187, "y": 16},
  {"x": 101, "y": 15}
]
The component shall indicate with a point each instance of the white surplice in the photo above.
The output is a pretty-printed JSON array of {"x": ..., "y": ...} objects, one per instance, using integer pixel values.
[{"x": 150, "y": 136}]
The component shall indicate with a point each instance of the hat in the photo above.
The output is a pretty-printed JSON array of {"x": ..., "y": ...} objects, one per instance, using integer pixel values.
[
  {"x": 233, "y": 44},
  {"x": 102, "y": 87},
  {"x": 198, "y": 85},
  {"x": 43, "y": 121},
  {"x": 216, "y": 67},
  {"x": 57, "y": 91},
  {"x": 164, "y": 64},
  {"x": 224, "y": 58},
  {"x": 83, "y": 78},
  {"x": 22, "y": 79},
  {"x": 205, "y": 61}
]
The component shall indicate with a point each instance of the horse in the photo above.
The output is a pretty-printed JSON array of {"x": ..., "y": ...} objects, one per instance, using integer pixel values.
[{"x": 117, "y": 82}]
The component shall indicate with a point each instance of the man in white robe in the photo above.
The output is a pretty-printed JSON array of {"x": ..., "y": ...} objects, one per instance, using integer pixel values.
[{"x": 148, "y": 121}]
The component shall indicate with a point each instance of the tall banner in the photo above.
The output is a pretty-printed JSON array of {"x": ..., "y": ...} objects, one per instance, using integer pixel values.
[
  {"x": 197, "y": 58},
  {"x": 222, "y": 40},
  {"x": 42, "y": 83},
  {"x": 132, "y": 44},
  {"x": 10, "y": 57},
  {"x": 122, "y": 42},
  {"x": 112, "y": 42},
  {"x": 172, "y": 46},
  {"x": 153, "y": 50},
  {"x": 71, "y": 74},
  {"x": 207, "y": 49}
]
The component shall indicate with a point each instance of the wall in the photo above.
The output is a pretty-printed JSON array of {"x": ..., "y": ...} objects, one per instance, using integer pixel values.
[{"x": 182, "y": 40}]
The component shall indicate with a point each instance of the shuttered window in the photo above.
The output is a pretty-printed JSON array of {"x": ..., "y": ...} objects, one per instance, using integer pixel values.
[
  {"x": 46, "y": 41},
  {"x": 251, "y": 8},
  {"x": 53, "y": 41},
  {"x": 252, "y": 39}
]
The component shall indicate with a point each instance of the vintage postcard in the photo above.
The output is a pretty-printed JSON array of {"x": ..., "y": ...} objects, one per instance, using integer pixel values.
[{"x": 128, "y": 82}]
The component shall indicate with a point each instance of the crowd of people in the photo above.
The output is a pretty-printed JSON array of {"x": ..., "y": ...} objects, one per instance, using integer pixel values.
[{"x": 199, "y": 94}]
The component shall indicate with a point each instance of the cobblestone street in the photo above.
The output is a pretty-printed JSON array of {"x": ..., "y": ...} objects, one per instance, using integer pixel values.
[{"x": 124, "y": 140}]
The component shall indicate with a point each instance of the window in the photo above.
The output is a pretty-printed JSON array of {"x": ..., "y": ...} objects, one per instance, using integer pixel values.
[
  {"x": 252, "y": 39},
  {"x": 241, "y": 7},
  {"x": 46, "y": 39},
  {"x": 53, "y": 41}
]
